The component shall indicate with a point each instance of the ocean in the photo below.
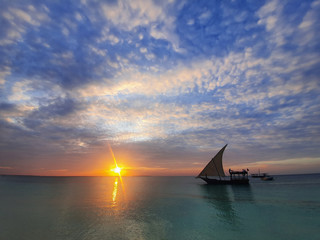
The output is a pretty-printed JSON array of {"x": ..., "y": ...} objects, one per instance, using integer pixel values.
[{"x": 158, "y": 208}]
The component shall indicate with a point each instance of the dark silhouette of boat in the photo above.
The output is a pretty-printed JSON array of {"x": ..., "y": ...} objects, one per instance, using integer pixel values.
[
  {"x": 213, "y": 173},
  {"x": 258, "y": 175},
  {"x": 267, "y": 178},
  {"x": 262, "y": 176}
]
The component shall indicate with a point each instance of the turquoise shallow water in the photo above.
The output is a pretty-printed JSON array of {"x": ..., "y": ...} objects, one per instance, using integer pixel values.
[{"x": 158, "y": 208}]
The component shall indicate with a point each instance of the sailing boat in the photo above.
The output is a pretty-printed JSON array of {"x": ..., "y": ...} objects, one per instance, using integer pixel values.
[
  {"x": 259, "y": 175},
  {"x": 215, "y": 169}
]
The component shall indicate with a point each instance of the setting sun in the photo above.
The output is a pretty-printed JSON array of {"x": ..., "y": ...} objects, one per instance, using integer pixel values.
[{"x": 116, "y": 170}]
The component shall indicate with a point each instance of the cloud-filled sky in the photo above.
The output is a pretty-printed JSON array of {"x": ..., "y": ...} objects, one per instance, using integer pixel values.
[{"x": 165, "y": 83}]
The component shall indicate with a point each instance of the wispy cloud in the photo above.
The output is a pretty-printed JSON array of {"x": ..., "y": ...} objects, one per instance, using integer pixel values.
[{"x": 5, "y": 167}]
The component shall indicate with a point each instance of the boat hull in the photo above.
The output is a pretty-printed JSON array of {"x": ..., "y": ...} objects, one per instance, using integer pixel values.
[
  {"x": 267, "y": 178},
  {"x": 226, "y": 182}
]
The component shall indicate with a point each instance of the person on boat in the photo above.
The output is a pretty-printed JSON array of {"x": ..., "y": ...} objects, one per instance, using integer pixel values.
[{"x": 244, "y": 172}]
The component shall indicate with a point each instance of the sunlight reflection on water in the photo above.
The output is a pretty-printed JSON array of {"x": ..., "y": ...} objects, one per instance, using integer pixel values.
[
  {"x": 118, "y": 195},
  {"x": 115, "y": 190}
]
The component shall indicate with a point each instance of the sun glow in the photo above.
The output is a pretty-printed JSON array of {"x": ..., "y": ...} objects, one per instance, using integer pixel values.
[{"x": 116, "y": 170}]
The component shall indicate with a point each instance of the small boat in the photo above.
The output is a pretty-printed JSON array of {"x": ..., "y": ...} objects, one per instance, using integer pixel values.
[
  {"x": 259, "y": 175},
  {"x": 262, "y": 176},
  {"x": 267, "y": 178},
  {"x": 213, "y": 173}
]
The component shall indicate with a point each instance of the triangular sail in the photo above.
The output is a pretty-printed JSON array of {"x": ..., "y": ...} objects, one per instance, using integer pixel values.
[{"x": 214, "y": 167}]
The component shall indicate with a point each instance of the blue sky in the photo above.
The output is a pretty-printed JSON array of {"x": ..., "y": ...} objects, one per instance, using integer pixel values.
[{"x": 165, "y": 83}]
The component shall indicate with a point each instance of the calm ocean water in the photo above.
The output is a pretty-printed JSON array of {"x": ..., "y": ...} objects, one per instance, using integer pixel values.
[{"x": 158, "y": 208}]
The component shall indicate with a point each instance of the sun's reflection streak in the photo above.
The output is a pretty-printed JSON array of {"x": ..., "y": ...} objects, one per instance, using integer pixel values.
[{"x": 115, "y": 191}]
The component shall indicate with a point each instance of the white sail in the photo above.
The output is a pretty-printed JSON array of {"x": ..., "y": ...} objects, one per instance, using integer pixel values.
[{"x": 214, "y": 167}]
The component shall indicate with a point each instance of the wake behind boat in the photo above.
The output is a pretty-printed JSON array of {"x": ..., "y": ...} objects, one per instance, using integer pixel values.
[{"x": 214, "y": 169}]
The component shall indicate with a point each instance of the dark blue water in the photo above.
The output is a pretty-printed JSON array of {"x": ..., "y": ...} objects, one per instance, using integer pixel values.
[{"x": 158, "y": 208}]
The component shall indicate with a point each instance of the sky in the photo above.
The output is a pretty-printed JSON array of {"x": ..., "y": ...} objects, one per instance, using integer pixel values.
[{"x": 165, "y": 83}]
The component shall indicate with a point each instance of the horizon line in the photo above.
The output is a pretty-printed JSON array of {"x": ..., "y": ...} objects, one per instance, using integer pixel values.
[{"x": 30, "y": 175}]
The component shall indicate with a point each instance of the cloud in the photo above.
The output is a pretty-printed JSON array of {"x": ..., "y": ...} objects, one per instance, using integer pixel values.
[
  {"x": 129, "y": 15},
  {"x": 288, "y": 166},
  {"x": 4, "y": 106},
  {"x": 3, "y": 73},
  {"x": 16, "y": 21},
  {"x": 307, "y": 28},
  {"x": 20, "y": 91},
  {"x": 59, "y": 107},
  {"x": 5, "y": 167}
]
